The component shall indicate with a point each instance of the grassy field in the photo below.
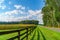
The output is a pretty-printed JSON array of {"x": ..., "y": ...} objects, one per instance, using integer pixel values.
[
  {"x": 40, "y": 33},
  {"x": 9, "y": 27},
  {"x": 15, "y": 26}
]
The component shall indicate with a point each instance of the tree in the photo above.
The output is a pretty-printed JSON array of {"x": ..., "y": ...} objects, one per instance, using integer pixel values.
[{"x": 50, "y": 10}]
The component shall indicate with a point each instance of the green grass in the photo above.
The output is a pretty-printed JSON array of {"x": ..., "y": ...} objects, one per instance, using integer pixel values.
[
  {"x": 40, "y": 33},
  {"x": 45, "y": 34},
  {"x": 7, "y": 36},
  {"x": 49, "y": 34}
]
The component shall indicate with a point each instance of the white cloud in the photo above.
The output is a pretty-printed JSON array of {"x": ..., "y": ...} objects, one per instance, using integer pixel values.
[
  {"x": 31, "y": 12},
  {"x": 12, "y": 12},
  {"x": 16, "y": 12},
  {"x": 19, "y": 7},
  {"x": 21, "y": 12},
  {"x": 40, "y": 18},
  {"x": 36, "y": 13},
  {"x": 2, "y": 6},
  {"x": 8, "y": 16}
]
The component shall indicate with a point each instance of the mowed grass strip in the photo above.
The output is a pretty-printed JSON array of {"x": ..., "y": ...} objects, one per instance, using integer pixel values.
[
  {"x": 15, "y": 26},
  {"x": 49, "y": 34},
  {"x": 33, "y": 35}
]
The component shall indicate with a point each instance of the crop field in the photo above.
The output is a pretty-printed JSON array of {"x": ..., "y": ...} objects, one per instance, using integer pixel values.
[
  {"x": 15, "y": 26},
  {"x": 40, "y": 33},
  {"x": 10, "y": 27}
]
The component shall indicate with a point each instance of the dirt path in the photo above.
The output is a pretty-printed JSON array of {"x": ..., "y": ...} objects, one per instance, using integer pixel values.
[{"x": 54, "y": 29}]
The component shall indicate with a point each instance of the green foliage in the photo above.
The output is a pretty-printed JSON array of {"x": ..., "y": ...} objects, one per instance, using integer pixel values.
[
  {"x": 22, "y": 22},
  {"x": 29, "y": 22},
  {"x": 51, "y": 12}
]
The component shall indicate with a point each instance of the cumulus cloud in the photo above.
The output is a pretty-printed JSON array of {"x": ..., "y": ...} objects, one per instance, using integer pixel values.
[
  {"x": 37, "y": 13},
  {"x": 12, "y": 12},
  {"x": 9, "y": 16},
  {"x": 16, "y": 12},
  {"x": 2, "y": 6},
  {"x": 40, "y": 18},
  {"x": 34, "y": 12},
  {"x": 19, "y": 7}
]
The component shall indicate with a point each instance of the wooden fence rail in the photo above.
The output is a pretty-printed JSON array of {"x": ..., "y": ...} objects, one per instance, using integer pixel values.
[{"x": 29, "y": 30}]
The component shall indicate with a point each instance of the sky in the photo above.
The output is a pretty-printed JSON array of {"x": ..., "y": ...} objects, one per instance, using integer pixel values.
[{"x": 18, "y": 10}]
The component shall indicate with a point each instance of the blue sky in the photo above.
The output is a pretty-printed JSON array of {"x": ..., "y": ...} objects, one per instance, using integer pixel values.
[{"x": 17, "y": 10}]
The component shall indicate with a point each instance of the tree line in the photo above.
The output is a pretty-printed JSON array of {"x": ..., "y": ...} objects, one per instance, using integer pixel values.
[
  {"x": 22, "y": 22},
  {"x": 51, "y": 13}
]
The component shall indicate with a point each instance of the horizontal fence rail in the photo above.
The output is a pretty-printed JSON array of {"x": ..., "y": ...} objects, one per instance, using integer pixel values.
[{"x": 29, "y": 30}]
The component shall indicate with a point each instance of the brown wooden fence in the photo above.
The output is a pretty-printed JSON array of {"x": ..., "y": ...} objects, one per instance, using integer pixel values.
[{"x": 29, "y": 30}]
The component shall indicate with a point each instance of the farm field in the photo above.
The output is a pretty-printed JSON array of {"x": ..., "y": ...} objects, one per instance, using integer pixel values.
[
  {"x": 40, "y": 33},
  {"x": 15, "y": 26}
]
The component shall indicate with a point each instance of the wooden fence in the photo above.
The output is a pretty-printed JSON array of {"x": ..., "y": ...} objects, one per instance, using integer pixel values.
[{"x": 29, "y": 30}]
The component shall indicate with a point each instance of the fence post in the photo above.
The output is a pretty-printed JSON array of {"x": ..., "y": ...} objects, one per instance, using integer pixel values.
[
  {"x": 18, "y": 35},
  {"x": 27, "y": 34}
]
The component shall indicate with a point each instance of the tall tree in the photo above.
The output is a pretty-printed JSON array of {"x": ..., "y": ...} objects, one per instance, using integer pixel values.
[{"x": 50, "y": 11}]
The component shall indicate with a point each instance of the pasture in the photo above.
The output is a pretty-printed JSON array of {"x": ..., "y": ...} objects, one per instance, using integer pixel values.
[{"x": 40, "y": 33}]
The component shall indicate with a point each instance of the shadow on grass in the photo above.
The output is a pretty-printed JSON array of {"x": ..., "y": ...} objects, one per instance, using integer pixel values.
[
  {"x": 33, "y": 36},
  {"x": 38, "y": 35},
  {"x": 42, "y": 35}
]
